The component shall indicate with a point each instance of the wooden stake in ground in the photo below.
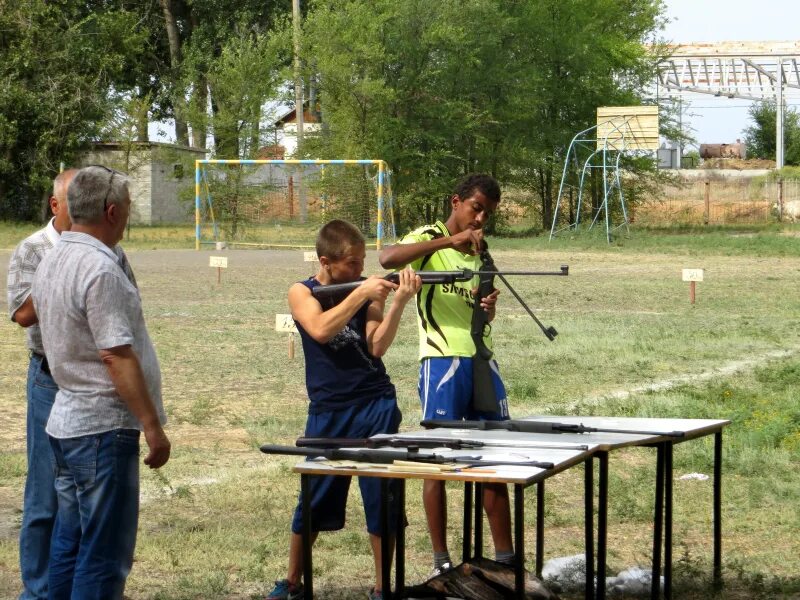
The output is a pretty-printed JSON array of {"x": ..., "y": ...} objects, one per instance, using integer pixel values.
[{"x": 692, "y": 276}]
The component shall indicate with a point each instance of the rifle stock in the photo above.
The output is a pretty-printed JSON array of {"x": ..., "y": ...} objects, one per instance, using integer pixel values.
[{"x": 484, "y": 396}]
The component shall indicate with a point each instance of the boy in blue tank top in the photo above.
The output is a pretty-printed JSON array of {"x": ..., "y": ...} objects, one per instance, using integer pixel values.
[{"x": 350, "y": 393}]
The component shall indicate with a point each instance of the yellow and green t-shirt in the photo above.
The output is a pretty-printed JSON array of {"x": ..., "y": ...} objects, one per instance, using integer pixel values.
[{"x": 444, "y": 311}]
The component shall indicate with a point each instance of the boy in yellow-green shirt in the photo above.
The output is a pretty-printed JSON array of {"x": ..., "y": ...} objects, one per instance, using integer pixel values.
[{"x": 444, "y": 315}]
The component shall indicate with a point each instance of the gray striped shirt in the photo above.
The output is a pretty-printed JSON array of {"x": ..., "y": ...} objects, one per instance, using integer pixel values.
[
  {"x": 86, "y": 303},
  {"x": 22, "y": 267}
]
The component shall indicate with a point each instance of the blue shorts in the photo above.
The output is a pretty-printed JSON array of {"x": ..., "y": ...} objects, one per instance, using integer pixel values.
[
  {"x": 445, "y": 390},
  {"x": 329, "y": 493}
]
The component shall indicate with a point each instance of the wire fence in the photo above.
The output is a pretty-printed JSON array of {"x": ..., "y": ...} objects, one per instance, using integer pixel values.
[{"x": 719, "y": 201}]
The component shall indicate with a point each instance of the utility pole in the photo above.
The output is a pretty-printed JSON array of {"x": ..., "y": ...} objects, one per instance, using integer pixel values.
[
  {"x": 298, "y": 105},
  {"x": 779, "y": 116}
]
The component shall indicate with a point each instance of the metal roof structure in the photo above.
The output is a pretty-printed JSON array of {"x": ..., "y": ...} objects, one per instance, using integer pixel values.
[{"x": 748, "y": 70}]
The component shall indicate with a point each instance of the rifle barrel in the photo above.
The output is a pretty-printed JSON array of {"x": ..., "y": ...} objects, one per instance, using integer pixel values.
[
  {"x": 562, "y": 273},
  {"x": 389, "y": 456},
  {"x": 392, "y": 442},
  {"x": 539, "y": 427}
]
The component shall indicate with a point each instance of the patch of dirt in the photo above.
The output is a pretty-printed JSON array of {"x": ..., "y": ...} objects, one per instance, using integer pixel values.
[
  {"x": 10, "y": 512},
  {"x": 202, "y": 437},
  {"x": 737, "y": 164}
]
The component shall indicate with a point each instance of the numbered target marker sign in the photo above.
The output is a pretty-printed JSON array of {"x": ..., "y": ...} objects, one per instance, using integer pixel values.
[
  {"x": 692, "y": 276},
  {"x": 285, "y": 323},
  {"x": 220, "y": 262}
]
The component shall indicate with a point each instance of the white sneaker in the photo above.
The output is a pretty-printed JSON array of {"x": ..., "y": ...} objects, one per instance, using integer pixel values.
[{"x": 436, "y": 571}]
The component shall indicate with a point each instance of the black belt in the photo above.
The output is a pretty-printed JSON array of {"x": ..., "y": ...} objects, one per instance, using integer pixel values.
[{"x": 45, "y": 366}]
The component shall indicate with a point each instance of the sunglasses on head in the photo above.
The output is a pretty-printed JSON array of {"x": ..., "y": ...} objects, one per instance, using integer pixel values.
[{"x": 110, "y": 181}]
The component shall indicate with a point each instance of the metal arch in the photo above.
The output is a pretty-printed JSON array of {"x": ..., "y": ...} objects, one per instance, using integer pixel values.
[{"x": 611, "y": 177}]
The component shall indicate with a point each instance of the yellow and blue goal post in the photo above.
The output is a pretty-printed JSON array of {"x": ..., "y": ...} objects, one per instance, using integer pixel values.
[{"x": 283, "y": 203}]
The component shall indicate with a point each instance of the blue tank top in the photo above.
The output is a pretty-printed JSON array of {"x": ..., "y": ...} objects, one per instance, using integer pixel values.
[{"x": 342, "y": 372}]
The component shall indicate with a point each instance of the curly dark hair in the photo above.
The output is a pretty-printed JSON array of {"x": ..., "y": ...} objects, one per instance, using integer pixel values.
[{"x": 486, "y": 184}]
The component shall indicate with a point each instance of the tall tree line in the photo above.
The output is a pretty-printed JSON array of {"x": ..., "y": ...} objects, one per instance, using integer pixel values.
[
  {"x": 75, "y": 71},
  {"x": 438, "y": 89}
]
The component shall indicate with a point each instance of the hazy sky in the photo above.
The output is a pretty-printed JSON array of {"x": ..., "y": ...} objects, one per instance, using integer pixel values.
[{"x": 716, "y": 120}]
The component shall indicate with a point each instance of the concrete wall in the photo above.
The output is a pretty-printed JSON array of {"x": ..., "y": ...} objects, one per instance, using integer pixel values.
[{"x": 158, "y": 174}]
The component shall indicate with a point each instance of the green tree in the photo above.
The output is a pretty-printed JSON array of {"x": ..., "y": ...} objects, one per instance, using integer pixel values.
[
  {"x": 440, "y": 89},
  {"x": 761, "y": 137},
  {"x": 57, "y": 63},
  {"x": 208, "y": 41}
]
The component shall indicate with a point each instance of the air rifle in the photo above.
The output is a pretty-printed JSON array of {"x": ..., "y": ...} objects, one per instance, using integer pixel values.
[
  {"x": 538, "y": 427},
  {"x": 330, "y": 295},
  {"x": 484, "y": 397},
  {"x": 412, "y": 444},
  {"x": 390, "y": 456}
]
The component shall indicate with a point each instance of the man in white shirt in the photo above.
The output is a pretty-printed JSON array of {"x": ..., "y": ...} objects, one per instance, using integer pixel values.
[
  {"x": 101, "y": 357},
  {"x": 39, "y": 504}
]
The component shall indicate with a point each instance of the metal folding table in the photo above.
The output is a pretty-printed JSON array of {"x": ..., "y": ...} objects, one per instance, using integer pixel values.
[
  {"x": 603, "y": 443},
  {"x": 520, "y": 477},
  {"x": 564, "y": 451}
]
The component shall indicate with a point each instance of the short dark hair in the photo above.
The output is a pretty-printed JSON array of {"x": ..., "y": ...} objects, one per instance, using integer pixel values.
[
  {"x": 336, "y": 238},
  {"x": 482, "y": 182}
]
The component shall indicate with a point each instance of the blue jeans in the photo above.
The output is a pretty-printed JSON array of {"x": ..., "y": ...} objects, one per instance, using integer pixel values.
[
  {"x": 97, "y": 481},
  {"x": 39, "y": 506}
]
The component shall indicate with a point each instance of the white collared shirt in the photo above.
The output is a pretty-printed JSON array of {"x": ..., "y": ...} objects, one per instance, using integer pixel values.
[
  {"x": 86, "y": 303},
  {"x": 22, "y": 267}
]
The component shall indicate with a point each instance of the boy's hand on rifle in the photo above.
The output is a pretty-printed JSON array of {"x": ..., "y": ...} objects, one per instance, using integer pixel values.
[
  {"x": 377, "y": 288},
  {"x": 489, "y": 303},
  {"x": 409, "y": 284},
  {"x": 469, "y": 241}
]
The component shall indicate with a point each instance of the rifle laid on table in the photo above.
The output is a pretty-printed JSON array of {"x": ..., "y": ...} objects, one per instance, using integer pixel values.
[
  {"x": 412, "y": 444},
  {"x": 392, "y": 456},
  {"x": 523, "y": 426},
  {"x": 330, "y": 295}
]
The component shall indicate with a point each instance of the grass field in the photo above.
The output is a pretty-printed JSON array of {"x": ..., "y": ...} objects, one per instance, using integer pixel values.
[{"x": 214, "y": 520}]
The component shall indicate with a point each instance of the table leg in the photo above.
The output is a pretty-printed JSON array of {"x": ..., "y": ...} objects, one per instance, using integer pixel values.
[
  {"x": 539, "y": 528},
  {"x": 658, "y": 519},
  {"x": 478, "y": 520},
  {"x": 466, "y": 542},
  {"x": 668, "y": 447},
  {"x": 588, "y": 515},
  {"x": 386, "y": 549},
  {"x": 602, "y": 524},
  {"x": 400, "y": 540},
  {"x": 718, "y": 509},
  {"x": 305, "y": 490},
  {"x": 519, "y": 541}
]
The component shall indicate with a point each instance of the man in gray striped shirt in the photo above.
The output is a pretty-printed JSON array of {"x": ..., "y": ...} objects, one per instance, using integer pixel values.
[
  {"x": 109, "y": 381},
  {"x": 39, "y": 504}
]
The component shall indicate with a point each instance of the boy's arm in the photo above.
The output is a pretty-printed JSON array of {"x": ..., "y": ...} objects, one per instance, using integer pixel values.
[
  {"x": 323, "y": 325},
  {"x": 382, "y": 329},
  {"x": 399, "y": 255}
]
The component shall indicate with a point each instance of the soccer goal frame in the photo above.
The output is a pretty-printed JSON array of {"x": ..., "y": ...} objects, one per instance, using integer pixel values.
[{"x": 383, "y": 191}]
